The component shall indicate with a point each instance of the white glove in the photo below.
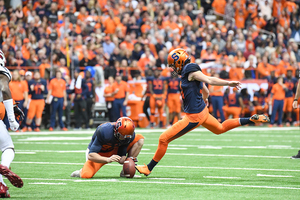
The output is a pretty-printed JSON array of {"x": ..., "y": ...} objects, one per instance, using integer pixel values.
[{"x": 13, "y": 125}]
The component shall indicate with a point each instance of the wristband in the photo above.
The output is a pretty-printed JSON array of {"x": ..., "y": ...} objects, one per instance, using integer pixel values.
[{"x": 295, "y": 99}]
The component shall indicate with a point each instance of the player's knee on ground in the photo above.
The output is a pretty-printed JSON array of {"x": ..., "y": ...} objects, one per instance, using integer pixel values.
[{"x": 86, "y": 174}]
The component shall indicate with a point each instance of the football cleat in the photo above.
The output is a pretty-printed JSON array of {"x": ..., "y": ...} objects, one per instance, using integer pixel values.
[
  {"x": 12, "y": 177},
  {"x": 76, "y": 173},
  {"x": 259, "y": 118},
  {"x": 143, "y": 170},
  {"x": 296, "y": 156},
  {"x": 4, "y": 191}
]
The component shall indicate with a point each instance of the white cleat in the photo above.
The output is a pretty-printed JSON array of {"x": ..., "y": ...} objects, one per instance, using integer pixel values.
[{"x": 76, "y": 173}]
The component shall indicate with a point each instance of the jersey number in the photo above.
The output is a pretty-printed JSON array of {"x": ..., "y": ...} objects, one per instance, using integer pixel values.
[
  {"x": 37, "y": 89},
  {"x": 89, "y": 86},
  {"x": 173, "y": 85},
  {"x": 232, "y": 99},
  {"x": 158, "y": 85}
]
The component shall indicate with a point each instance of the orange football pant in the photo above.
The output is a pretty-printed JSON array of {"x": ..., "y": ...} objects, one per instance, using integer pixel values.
[
  {"x": 36, "y": 108},
  {"x": 188, "y": 123},
  {"x": 288, "y": 104},
  {"x": 174, "y": 103},
  {"x": 153, "y": 106},
  {"x": 90, "y": 168}
]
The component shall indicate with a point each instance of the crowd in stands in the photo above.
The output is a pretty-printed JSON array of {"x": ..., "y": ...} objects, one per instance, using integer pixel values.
[{"x": 239, "y": 39}]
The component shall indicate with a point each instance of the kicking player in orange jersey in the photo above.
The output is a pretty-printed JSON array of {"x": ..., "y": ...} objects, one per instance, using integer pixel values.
[
  {"x": 194, "y": 94},
  {"x": 157, "y": 99}
]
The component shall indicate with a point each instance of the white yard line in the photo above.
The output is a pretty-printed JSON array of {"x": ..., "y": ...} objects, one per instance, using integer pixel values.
[
  {"x": 221, "y": 177},
  {"x": 45, "y": 183},
  {"x": 175, "y": 179},
  {"x": 165, "y": 166},
  {"x": 55, "y": 138},
  {"x": 174, "y": 148},
  {"x": 220, "y": 155},
  {"x": 278, "y": 176},
  {"x": 28, "y": 152},
  {"x": 172, "y": 183},
  {"x": 171, "y": 154}
]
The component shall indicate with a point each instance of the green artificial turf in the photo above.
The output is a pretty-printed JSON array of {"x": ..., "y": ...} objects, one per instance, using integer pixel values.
[{"x": 248, "y": 163}]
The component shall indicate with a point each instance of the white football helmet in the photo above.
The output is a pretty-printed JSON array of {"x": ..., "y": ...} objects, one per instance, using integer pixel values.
[{"x": 3, "y": 69}]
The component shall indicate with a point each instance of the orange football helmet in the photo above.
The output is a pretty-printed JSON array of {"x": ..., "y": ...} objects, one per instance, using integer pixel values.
[
  {"x": 124, "y": 129},
  {"x": 177, "y": 59}
]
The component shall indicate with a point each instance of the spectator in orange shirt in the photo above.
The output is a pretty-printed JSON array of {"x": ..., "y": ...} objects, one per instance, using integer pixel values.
[
  {"x": 264, "y": 68},
  {"x": 25, "y": 49},
  {"x": 109, "y": 94},
  {"x": 121, "y": 97},
  {"x": 19, "y": 90},
  {"x": 186, "y": 18},
  {"x": 235, "y": 73},
  {"x": 219, "y": 6},
  {"x": 216, "y": 95},
  {"x": 128, "y": 43},
  {"x": 57, "y": 89},
  {"x": 240, "y": 18},
  {"x": 82, "y": 14},
  {"x": 277, "y": 99},
  {"x": 284, "y": 64},
  {"x": 45, "y": 65}
]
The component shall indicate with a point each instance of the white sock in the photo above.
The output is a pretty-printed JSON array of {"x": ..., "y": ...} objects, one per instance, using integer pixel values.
[{"x": 7, "y": 157}]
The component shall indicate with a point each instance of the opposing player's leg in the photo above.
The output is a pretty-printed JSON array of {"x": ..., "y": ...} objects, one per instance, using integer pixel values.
[
  {"x": 8, "y": 154},
  {"x": 188, "y": 123}
]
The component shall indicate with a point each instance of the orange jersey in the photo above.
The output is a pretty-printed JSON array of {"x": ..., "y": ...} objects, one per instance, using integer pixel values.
[
  {"x": 219, "y": 6},
  {"x": 236, "y": 74},
  {"x": 108, "y": 90},
  {"x": 17, "y": 89},
  {"x": 278, "y": 92},
  {"x": 42, "y": 68},
  {"x": 58, "y": 87},
  {"x": 123, "y": 88},
  {"x": 215, "y": 92},
  {"x": 282, "y": 67},
  {"x": 264, "y": 70}
]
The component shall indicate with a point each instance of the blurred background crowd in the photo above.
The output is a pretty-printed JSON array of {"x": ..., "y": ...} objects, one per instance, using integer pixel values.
[{"x": 254, "y": 40}]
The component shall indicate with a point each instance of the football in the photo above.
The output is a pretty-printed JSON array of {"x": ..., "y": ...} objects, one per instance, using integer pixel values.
[{"x": 129, "y": 168}]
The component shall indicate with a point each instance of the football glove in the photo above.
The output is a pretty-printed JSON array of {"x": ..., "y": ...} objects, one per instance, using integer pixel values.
[
  {"x": 18, "y": 113},
  {"x": 14, "y": 125}
]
